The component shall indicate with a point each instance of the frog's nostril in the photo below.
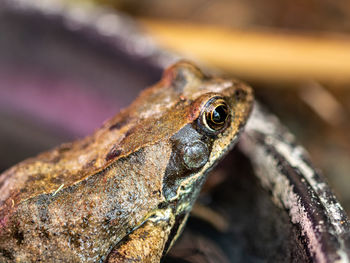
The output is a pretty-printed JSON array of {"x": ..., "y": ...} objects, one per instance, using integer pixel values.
[
  {"x": 240, "y": 94},
  {"x": 195, "y": 155}
]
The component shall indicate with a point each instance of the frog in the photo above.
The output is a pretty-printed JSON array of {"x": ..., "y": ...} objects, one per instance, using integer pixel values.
[{"x": 124, "y": 193}]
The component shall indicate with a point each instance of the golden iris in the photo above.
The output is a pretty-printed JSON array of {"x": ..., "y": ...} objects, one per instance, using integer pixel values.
[{"x": 216, "y": 113}]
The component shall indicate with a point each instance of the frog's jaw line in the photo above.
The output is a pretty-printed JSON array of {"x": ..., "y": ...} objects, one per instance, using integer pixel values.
[
  {"x": 182, "y": 189},
  {"x": 156, "y": 216},
  {"x": 161, "y": 215}
]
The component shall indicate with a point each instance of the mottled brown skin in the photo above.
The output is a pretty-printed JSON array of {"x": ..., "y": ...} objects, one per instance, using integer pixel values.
[
  {"x": 148, "y": 241},
  {"x": 125, "y": 190}
]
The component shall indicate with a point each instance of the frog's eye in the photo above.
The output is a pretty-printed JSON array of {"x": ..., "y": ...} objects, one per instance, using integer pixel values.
[{"x": 215, "y": 114}]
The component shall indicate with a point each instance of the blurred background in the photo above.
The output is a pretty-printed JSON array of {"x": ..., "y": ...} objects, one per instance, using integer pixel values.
[{"x": 59, "y": 83}]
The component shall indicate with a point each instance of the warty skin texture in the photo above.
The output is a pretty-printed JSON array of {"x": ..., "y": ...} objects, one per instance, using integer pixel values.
[{"x": 82, "y": 200}]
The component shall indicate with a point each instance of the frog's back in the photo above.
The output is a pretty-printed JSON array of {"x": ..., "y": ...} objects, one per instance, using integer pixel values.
[{"x": 73, "y": 162}]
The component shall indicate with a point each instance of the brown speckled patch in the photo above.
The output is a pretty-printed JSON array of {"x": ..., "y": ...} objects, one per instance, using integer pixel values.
[
  {"x": 113, "y": 153},
  {"x": 90, "y": 163},
  {"x": 240, "y": 94},
  {"x": 123, "y": 121}
]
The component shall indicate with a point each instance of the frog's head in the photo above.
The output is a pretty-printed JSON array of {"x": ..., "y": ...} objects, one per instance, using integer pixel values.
[
  {"x": 198, "y": 117},
  {"x": 207, "y": 115},
  {"x": 213, "y": 113}
]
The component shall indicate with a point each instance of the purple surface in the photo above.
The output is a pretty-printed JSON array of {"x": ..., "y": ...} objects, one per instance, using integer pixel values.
[
  {"x": 57, "y": 85},
  {"x": 59, "y": 102}
]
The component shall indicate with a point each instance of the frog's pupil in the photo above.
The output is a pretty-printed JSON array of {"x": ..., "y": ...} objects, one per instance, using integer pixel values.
[
  {"x": 215, "y": 115},
  {"x": 219, "y": 114}
]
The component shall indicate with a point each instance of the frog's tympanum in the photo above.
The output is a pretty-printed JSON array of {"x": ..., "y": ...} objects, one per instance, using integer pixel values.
[{"x": 124, "y": 193}]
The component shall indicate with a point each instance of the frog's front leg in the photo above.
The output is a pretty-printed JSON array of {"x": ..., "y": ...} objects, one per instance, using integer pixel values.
[{"x": 147, "y": 242}]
